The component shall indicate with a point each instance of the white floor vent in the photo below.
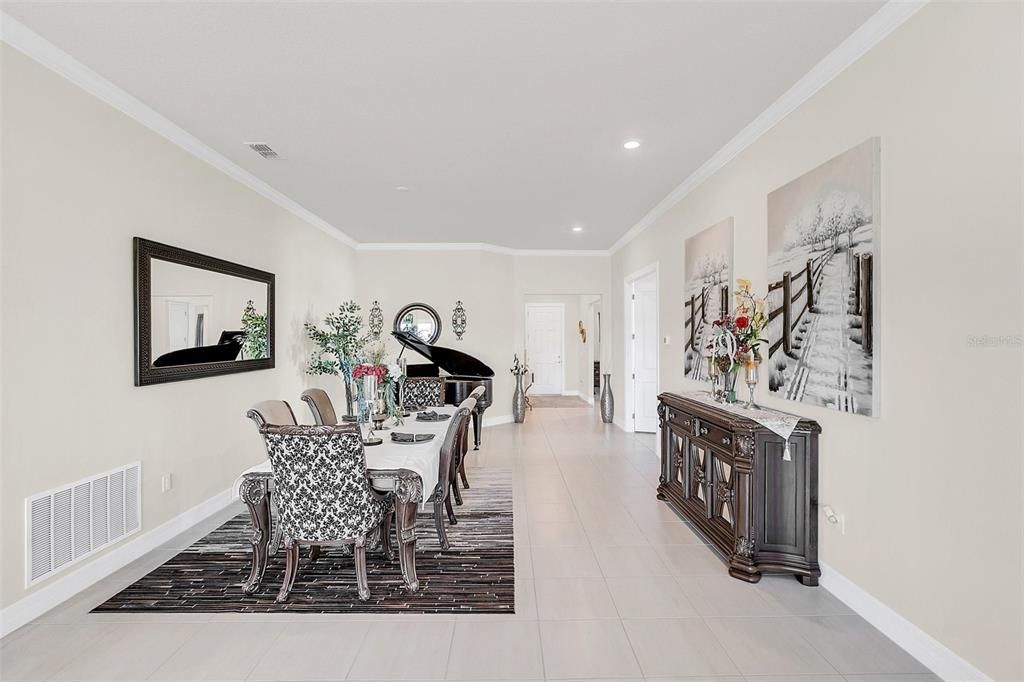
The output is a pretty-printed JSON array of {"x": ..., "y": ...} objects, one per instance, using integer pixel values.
[{"x": 67, "y": 524}]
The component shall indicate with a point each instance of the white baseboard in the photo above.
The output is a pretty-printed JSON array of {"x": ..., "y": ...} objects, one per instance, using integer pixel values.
[
  {"x": 37, "y": 603},
  {"x": 496, "y": 421},
  {"x": 936, "y": 656},
  {"x": 571, "y": 393}
]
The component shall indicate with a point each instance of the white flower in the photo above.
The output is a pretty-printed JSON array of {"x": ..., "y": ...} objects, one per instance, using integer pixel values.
[{"x": 394, "y": 371}]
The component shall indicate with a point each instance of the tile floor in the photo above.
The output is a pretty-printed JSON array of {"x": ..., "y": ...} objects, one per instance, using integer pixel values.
[{"x": 610, "y": 584}]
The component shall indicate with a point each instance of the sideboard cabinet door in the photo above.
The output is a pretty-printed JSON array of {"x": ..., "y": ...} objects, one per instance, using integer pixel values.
[{"x": 787, "y": 522}]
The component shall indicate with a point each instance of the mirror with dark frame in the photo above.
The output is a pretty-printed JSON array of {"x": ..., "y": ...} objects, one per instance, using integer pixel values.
[
  {"x": 199, "y": 316},
  {"x": 419, "y": 320}
]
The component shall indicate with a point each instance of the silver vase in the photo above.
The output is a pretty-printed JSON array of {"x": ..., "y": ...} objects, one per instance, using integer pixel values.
[
  {"x": 607, "y": 401},
  {"x": 729, "y": 386},
  {"x": 519, "y": 402}
]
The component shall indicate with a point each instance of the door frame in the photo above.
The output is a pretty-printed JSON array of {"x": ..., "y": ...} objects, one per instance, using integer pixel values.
[
  {"x": 561, "y": 333},
  {"x": 628, "y": 421}
]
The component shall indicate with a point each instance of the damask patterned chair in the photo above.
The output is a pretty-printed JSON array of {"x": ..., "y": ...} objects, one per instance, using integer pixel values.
[
  {"x": 320, "y": 406},
  {"x": 459, "y": 457},
  {"x": 441, "y": 497},
  {"x": 420, "y": 392},
  {"x": 323, "y": 494}
]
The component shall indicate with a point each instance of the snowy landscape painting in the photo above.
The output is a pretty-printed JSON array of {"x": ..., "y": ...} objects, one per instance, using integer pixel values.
[
  {"x": 822, "y": 284},
  {"x": 708, "y": 270}
]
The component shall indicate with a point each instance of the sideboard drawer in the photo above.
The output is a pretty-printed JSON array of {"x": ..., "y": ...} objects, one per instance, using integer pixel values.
[
  {"x": 713, "y": 435},
  {"x": 682, "y": 420}
]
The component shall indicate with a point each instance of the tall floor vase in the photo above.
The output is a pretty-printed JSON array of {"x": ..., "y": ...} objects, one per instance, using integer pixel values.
[
  {"x": 519, "y": 402},
  {"x": 607, "y": 401}
]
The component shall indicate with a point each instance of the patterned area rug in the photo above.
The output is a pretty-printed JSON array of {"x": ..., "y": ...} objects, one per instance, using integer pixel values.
[{"x": 475, "y": 576}]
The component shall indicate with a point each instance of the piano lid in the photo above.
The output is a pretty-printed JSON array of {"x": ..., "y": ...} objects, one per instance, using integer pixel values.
[{"x": 455, "y": 362}]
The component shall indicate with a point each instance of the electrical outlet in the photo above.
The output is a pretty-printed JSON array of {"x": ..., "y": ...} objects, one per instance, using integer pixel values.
[
  {"x": 166, "y": 483},
  {"x": 837, "y": 520}
]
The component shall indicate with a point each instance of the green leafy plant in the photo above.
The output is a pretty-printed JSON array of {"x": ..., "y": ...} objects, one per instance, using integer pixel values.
[
  {"x": 338, "y": 344},
  {"x": 254, "y": 324}
]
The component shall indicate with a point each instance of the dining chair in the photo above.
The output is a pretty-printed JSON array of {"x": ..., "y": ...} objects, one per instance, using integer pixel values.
[
  {"x": 459, "y": 458},
  {"x": 441, "y": 497},
  {"x": 271, "y": 413},
  {"x": 320, "y": 406},
  {"x": 324, "y": 495},
  {"x": 476, "y": 394},
  {"x": 420, "y": 392}
]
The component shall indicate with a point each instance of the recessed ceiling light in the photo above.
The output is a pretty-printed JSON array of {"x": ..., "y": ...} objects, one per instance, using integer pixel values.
[
  {"x": 577, "y": 228},
  {"x": 401, "y": 188},
  {"x": 631, "y": 144}
]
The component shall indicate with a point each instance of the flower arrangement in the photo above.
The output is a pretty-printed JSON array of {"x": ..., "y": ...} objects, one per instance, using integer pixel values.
[
  {"x": 735, "y": 338},
  {"x": 518, "y": 368},
  {"x": 339, "y": 343},
  {"x": 386, "y": 378}
]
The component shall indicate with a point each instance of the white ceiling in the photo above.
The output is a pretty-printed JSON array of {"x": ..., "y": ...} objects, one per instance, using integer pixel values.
[{"x": 504, "y": 120}]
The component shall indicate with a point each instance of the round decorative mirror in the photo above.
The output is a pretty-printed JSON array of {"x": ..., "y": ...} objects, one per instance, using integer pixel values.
[{"x": 419, "y": 320}]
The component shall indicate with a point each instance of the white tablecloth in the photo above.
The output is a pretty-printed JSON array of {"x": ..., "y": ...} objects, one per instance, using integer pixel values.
[{"x": 419, "y": 457}]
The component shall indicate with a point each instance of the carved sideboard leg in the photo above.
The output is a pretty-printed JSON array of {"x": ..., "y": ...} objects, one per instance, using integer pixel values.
[
  {"x": 808, "y": 580},
  {"x": 255, "y": 493}
]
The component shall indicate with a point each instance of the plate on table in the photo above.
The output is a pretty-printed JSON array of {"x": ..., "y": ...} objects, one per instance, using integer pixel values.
[{"x": 411, "y": 438}]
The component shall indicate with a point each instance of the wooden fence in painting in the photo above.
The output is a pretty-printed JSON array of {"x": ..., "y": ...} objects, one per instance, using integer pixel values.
[
  {"x": 696, "y": 312},
  {"x": 861, "y": 273},
  {"x": 805, "y": 282}
]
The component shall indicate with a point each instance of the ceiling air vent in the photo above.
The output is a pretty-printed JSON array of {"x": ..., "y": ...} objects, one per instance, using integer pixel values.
[{"x": 263, "y": 149}]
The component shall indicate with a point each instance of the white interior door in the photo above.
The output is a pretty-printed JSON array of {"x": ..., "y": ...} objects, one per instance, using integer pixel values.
[
  {"x": 645, "y": 353},
  {"x": 545, "y": 325}
]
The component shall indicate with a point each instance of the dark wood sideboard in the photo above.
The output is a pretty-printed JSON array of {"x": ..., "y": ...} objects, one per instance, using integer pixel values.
[{"x": 726, "y": 474}]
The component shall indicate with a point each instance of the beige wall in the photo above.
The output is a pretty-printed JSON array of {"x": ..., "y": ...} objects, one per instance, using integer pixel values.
[
  {"x": 79, "y": 181},
  {"x": 931, "y": 490}
]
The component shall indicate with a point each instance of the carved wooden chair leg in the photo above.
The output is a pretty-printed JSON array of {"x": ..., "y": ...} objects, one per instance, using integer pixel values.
[
  {"x": 442, "y": 535},
  {"x": 451, "y": 512},
  {"x": 359, "y": 551},
  {"x": 454, "y": 489},
  {"x": 314, "y": 552},
  {"x": 385, "y": 536},
  {"x": 291, "y": 550},
  {"x": 462, "y": 474}
]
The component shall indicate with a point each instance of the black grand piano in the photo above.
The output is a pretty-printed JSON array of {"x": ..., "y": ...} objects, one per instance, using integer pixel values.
[{"x": 463, "y": 373}]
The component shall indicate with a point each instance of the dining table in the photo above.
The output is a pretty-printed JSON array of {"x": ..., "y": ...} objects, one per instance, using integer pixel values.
[{"x": 402, "y": 470}]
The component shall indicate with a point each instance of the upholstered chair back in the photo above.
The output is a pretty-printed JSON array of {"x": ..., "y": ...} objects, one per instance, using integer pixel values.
[
  {"x": 323, "y": 493},
  {"x": 423, "y": 392},
  {"x": 478, "y": 393},
  {"x": 271, "y": 412},
  {"x": 470, "y": 405},
  {"x": 320, "y": 405},
  {"x": 449, "y": 449}
]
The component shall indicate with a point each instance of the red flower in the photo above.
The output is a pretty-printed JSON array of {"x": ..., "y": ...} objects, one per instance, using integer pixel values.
[{"x": 742, "y": 322}]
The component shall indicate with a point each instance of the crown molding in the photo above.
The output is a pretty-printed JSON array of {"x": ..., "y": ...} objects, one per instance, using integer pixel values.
[
  {"x": 883, "y": 22},
  {"x": 477, "y": 246},
  {"x": 34, "y": 46},
  {"x": 878, "y": 26}
]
